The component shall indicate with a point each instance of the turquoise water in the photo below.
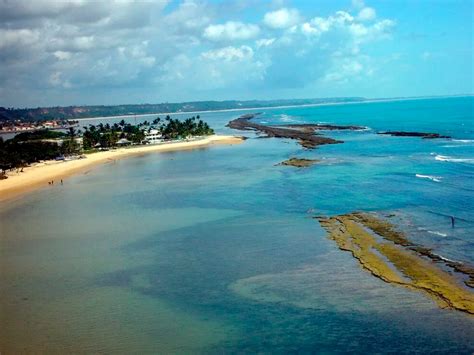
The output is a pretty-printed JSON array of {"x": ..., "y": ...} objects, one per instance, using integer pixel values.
[{"x": 214, "y": 250}]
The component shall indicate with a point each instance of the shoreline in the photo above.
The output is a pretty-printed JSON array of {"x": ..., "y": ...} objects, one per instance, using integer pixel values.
[
  {"x": 365, "y": 101},
  {"x": 38, "y": 175}
]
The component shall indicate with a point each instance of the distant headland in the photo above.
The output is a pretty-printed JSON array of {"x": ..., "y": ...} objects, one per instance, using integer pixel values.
[{"x": 74, "y": 112}]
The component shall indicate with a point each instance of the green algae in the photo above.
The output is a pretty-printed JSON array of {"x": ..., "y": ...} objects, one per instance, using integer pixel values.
[
  {"x": 387, "y": 231},
  {"x": 400, "y": 265}
]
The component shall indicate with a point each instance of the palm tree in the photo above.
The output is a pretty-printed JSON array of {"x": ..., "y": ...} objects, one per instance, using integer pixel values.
[{"x": 71, "y": 133}]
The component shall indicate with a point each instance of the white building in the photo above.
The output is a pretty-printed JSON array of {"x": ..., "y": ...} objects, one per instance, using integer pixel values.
[
  {"x": 153, "y": 136},
  {"x": 123, "y": 142}
]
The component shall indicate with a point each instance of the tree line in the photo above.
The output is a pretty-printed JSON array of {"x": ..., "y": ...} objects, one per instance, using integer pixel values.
[{"x": 30, "y": 147}]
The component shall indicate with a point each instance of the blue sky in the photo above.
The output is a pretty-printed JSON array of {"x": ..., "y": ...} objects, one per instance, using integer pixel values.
[{"x": 111, "y": 52}]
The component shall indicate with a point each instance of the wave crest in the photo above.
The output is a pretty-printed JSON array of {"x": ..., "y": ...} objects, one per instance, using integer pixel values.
[
  {"x": 453, "y": 159},
  {"x": 429, "y": 177}
]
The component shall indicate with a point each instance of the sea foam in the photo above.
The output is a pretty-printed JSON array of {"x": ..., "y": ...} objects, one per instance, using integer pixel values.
[
  {"x": 438, "y": 233},
  {"x": 429, "y": 177},
  {"x": 453, "y": 159},
  {"x": 463, "y": 140}
]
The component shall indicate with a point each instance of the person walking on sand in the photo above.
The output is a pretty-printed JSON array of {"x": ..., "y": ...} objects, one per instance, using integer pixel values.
[{"x": 61, "y": 181}]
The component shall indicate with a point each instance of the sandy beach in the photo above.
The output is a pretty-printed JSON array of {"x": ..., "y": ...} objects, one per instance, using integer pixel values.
[{"x": 38, "y": 175}]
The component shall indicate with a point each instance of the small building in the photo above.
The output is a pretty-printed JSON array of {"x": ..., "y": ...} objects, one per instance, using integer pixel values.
[
  {"x": 153, "y": 136},
  {"x": 123, "y": 142}
]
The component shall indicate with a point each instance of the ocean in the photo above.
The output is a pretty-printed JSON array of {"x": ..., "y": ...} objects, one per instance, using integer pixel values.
[{"x": 215, "y": 250}]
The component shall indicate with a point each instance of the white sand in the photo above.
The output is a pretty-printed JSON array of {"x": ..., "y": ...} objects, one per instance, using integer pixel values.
[{"x": 38, "y": 175}]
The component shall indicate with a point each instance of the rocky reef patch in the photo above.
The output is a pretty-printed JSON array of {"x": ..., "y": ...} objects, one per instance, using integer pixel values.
[
  {"x": 306, "y": 134},
  {"x": 389, "y": 255},
  {"x": 299, "y": 162}
]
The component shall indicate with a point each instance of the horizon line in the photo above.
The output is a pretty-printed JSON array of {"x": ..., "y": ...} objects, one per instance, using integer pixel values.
[
  {"x": 361, "y": 101},
  {"x": 245, "y": 100}
]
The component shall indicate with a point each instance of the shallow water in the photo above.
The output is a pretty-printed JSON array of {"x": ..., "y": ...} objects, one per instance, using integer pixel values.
[{"x": 214, "y": 249}]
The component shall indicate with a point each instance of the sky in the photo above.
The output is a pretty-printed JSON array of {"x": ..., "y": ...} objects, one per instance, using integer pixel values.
[{"x": 80, "y": 52}]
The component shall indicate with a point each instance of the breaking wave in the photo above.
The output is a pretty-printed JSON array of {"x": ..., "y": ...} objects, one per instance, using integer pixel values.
[
  {"x": 463, "y": 140},
  {"x": 287, "y": 118},
  {"x": 437, "y": 233},
  {"x": 429, "y": 177},
  {"x": 454, "y": 160}
]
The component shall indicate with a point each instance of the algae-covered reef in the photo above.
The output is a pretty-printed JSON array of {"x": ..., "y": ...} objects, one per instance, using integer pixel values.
[
  {"x": 299, "y": 162},
  {"x": 304, "y": 133},
  {"x": 390, "y": 256}
]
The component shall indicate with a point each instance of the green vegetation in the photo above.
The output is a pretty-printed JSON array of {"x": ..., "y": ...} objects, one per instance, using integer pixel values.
[
  {"x": 73, "y": 112},
  {"x": 30, "y": 147},
  {"x": 15, "y": 154},
  {"x": 107, "y": 136},
  {"x": 38, "y": 135},
  {"x": 173, "y": 129}
]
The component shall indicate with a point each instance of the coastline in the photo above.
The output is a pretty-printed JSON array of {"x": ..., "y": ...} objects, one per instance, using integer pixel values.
[
  {"x": 365, "y": 101},
  {"x": 38, "y": 175}
]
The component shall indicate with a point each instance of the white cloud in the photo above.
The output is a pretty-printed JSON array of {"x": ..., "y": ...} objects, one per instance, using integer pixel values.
[
  {"x": 56, "y": 79},
  {"x": 229, "y": 53},
  {"x": 366, "y": 14},
  {"x": 282, "y": 18},
  {"x": 346, "y": 70},
  {"x": 358, "y": 4},
  {"x": 61, "y": 55},
  {"x": 231, "y": 31},
  {"x": 344, "y": 22},
  {"x": 135, "y": 45},
  {"x": 138, "y": 54},
  {"x": 319, "y": 25},
  {"x": 19, "y": 37},
  {"x": 264, "y": 42},
  {"x": 324, "y": 49}
]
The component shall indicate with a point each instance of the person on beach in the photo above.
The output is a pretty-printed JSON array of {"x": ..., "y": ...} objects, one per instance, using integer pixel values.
[
  {"x": 61, "y": 181},
  {"x": 452, "y": 222}
]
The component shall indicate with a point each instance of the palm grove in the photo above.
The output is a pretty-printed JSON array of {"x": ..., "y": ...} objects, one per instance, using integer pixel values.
[{"x": 29, "y": 147}]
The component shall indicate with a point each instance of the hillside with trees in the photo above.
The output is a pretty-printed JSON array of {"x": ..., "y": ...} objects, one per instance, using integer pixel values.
[{"x": 75, "y": 112}]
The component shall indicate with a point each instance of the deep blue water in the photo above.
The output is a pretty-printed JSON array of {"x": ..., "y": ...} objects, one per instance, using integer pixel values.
[{"x": 215, "y": 250}]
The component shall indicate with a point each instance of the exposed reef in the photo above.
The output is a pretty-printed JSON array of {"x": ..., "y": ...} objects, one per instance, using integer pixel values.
[
  {"x": 299, "y": 162},
  {"x": 304, "y": 133},
  {"x": 424, "y": 135},
  {"x": 387, "y": 230},
  {"x": 390, "y": 256}
]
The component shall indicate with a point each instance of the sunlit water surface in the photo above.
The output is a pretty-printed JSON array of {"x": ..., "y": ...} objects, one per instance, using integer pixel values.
[{"x": 215, "y": 249}]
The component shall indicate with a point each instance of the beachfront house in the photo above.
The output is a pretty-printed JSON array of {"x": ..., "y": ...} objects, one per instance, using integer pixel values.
[
  {"x": 153, "y": 136},
  {"x": 123, "y": 142}
]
